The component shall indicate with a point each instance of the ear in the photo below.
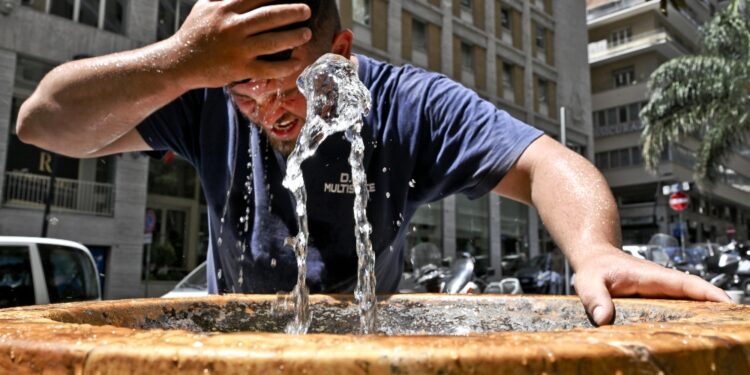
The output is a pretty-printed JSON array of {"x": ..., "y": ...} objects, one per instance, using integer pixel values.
[{"x": 342, "y": 43}]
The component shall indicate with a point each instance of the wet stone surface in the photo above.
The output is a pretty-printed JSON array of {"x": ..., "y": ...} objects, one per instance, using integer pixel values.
[{"x": 401, "y": 317}]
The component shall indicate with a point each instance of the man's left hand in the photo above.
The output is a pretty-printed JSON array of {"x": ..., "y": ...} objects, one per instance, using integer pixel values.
[{"x": 613, "y": 273}]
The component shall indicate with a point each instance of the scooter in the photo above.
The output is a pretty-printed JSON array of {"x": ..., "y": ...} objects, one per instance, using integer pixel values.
[
  {"x": 721, "y": 267},
  {"x": 742, "y": 277}
]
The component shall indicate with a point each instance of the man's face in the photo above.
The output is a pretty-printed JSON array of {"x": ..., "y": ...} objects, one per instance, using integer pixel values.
[{"x": 276, "y": 105}]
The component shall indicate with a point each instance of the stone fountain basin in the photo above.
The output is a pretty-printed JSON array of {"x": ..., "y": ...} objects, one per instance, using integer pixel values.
[{"x": 442, "y": 334}]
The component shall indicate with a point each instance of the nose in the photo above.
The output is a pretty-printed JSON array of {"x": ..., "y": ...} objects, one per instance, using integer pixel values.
[{"x": 272, "y": 111}]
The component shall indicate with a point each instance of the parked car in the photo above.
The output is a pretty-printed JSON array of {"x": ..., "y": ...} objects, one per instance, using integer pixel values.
[
  {"x": 42, "y": 270},
  {"x": 195, "y": 284}
]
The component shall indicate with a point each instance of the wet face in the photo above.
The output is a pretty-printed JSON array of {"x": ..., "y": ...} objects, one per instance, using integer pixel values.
[{"x": 276, "y": 105}]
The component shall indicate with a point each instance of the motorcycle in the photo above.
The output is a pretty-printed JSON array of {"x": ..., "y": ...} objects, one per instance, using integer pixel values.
[{"x": 539, "y": 276}]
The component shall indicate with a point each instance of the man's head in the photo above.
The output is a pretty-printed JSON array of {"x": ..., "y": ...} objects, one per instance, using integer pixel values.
[{"x": 276, "y": 105}]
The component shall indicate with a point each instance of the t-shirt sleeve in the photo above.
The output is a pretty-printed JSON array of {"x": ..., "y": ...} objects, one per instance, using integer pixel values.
[
  {"x": 465, "y": 144},
  {"x": 176, "y": 126}
]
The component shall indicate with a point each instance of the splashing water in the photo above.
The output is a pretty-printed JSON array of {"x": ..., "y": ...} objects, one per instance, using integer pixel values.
[{"x": 336, "y": 102}]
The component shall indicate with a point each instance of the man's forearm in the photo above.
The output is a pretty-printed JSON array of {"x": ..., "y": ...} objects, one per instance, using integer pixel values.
[
  {"x": 575, "y": 203},
  {"x": 83, "y": 106}
]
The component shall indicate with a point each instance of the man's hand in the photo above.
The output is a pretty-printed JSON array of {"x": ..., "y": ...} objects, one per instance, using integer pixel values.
[
  {"x": 613, "y": 273},
  {"x": 220, "y": 41},
  {"x": 578, "y": 209}
]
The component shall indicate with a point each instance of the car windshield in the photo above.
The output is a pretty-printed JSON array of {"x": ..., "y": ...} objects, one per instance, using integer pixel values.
[
  {"x": 69, "y": 273},
  {"x": 196, "y": 280},
  {"x": 660, "y": 256},
  {"x": 16, "y": 285}
]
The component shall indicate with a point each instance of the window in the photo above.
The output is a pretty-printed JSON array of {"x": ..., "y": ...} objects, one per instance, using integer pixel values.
[
  {"x": 620, "y": 37},
  {"x": 172, "y": 13},
  {"x": 508, "y": 89},
  {"x": 466, "y": 4},
  {"x": 467, "y": 57},
  {"x": 625, "y": 157},
  {"x": 418, "y": 35},
  {"x": 426, "y": 227},
  {"x": 505, "y": 20},
  {"x": 602, "y": 160},
  {"x": 69, "y": 274},
  {"x": 103, "y": 14},
  {"x": 636, "y": 155},
  {"x": 473, "y": 229},
  {"x": 542, "y": 92},
  {"x": 174, "y": 179},
  {"x": 624, "y": 77},
  {"x": 362, "y": 11},
  {"x": 539, "y": 37},
  {"x": 16, "y": 283},
  {"x": 622, "y": 114},
  {"x": 514, "y": 234}
]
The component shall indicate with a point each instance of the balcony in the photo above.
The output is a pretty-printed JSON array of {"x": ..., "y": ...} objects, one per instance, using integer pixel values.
[
  {"x": 658, "y": 39},
  {"x": 617, "y": 129},
  {"x": 611, "y": 8},
  {"x": 27, "y": 190}
]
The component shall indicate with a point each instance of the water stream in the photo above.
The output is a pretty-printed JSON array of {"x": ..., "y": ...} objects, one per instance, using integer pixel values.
[{"x": 336, "y": 102}]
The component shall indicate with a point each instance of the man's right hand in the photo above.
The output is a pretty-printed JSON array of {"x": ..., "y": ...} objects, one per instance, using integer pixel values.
[
  {"x": 106, "y": 97},
  {"x": 220, "y": 41}
]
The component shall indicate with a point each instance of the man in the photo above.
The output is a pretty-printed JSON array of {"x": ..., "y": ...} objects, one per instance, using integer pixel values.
[{"x": 211, "y": 94}]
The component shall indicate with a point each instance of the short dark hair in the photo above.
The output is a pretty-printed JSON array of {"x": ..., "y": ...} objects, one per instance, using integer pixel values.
[
  {"x": 324, "y": 17},
  {"x": 324, "y": 21}
]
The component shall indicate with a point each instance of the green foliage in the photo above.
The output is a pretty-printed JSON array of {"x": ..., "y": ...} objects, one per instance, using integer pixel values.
[{"x": 707, "y": 95}]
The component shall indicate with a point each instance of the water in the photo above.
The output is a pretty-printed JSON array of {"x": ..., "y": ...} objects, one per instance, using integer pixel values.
[{"x": 336, "y": 102}]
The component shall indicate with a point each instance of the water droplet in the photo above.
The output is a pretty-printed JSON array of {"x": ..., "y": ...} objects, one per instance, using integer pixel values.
[
  {"x": 218, "y": 274},
  {"x": 387, "y": 195},
  {"x": 218, "y": 241},
  {"x": 385, "y": 169},
  {"x": 412, "y": 182},
  {"x": 398, "y": 223},
  {"x": 273, "y": 262}
]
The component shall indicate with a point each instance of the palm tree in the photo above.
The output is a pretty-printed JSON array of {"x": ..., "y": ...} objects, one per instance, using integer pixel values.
[{"x": 707, "y": 95}]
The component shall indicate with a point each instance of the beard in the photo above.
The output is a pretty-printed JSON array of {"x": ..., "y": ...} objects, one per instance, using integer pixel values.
[{"x": 283, "y": 147}]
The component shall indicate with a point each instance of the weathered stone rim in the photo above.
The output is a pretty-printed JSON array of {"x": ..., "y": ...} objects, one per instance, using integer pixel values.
[{"x": 715, "y": 337}]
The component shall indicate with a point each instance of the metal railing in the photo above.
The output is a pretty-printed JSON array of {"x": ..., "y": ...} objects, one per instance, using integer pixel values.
[
  {"x": 30, "y": 190},
  {"x": 603, "y": 48},
  {"x": 609, "y": 8},
  {"x": 616, "y": 129}
]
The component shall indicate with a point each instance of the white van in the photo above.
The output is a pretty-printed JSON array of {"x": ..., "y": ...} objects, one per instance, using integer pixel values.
[{"x": 42, "y": 270}]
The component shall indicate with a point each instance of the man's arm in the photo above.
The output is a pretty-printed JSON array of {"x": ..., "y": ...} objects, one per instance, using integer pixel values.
[
  {"x": 577, "y": 207},
  {"x": 90, "y": 107}
]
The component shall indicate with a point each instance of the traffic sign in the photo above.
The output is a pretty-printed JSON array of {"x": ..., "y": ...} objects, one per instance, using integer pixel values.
[
  {"x": 679, "y": 201},
  {"x": 150, "y": 222}
]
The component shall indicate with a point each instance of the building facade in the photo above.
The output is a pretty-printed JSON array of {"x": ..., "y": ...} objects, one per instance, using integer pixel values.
[
  {"x": 628, "y": 40},
  {"x": 527, "y": 57}
]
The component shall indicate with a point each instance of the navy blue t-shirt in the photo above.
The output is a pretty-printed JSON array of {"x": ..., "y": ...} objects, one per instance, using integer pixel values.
[{"x": 423, "y": 128}]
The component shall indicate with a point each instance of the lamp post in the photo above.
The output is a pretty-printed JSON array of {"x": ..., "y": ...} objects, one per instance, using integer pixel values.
[
  {"x": 564, "y": 142},
  {"x": 50, "y": 195}
]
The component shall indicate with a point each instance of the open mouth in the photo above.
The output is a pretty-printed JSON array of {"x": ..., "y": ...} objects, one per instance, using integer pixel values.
[{"x": 286, "y": 128}]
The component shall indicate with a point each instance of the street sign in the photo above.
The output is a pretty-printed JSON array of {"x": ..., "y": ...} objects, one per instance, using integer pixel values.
[
  {"x": 679, "y": 201},
  {"x": 150, "y": 222},
  {"x": 674, "y": 188},
  {"x": 148, "y": 238}
]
